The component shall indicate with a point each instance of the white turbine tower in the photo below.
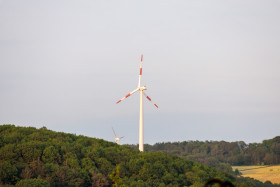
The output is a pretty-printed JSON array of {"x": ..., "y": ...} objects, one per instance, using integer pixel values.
[
  {"x": 140, "y": 88},
  {"x": 117, "y": 139}
]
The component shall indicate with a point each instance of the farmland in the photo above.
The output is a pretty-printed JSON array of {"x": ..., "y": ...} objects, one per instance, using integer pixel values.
[{"x": 262, "y": 173}]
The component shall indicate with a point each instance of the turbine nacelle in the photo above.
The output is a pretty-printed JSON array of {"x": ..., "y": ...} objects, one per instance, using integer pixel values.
[{"x": 142, "y": 88}]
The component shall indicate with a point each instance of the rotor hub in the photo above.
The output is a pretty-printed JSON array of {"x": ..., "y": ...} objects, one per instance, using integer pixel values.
[{"x": 142, "y": 88}]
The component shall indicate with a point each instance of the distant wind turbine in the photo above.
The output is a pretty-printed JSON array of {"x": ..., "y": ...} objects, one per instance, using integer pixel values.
[
  {"x": 117, "y": 139},
  {"x": 140, "y": 88}
]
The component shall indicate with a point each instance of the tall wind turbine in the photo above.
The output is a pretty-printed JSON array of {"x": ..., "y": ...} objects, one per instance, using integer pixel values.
[
  {"x": 117, "y": 139},
  {"x": 141, "y": 89}
]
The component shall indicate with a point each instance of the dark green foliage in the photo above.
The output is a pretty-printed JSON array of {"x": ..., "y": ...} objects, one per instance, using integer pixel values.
[
  {"x": 40, "y": 157},
  {"x": 33, "y": 183},
  {"x": 223, "y": 154},
  {"x": 249, "y": 182},
  {"x": 237, "y": 172},
  {"x": 8, "y": 172}
]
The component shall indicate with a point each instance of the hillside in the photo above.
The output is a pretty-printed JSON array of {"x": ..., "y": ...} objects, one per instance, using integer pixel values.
[
  {"x": 41, "y": 157},
  {"x": 232, "y": 153}
]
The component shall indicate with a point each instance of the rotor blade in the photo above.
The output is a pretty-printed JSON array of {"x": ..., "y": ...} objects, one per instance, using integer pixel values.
[
  {"x": 128, "y": 95},
  {"x": 121, "y": 137},
  {"x": 150, "y": 99},
  {"x": 140, "y": 74},
  {"x": 114, "y": 132}
]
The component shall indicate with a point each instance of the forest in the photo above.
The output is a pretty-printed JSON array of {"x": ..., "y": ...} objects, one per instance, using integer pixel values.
[
  {"x": 231, "y": 153},
  {"x": 41, "y": 157}
]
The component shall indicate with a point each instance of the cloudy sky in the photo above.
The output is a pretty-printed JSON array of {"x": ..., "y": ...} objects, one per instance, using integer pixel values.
[{"x": 213, "y": 67}]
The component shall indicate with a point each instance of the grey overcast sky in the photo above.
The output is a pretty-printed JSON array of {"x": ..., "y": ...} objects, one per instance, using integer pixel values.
[{"x": 213, "y": 67}]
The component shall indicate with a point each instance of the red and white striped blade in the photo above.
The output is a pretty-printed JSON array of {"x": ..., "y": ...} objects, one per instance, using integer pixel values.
[
  {"x": 128, "y": 95},
  {"x": 140, "y": 74},
  {"x": 150, "y": 99}
]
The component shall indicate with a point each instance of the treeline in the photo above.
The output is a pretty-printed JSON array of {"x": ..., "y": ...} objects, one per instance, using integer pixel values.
[
  {"x": 215, "y": 152},
  {"x": 40, "y": 157}
]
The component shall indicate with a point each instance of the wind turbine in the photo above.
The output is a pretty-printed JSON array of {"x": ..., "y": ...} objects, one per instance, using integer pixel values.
[
  {"x": 141, "y": 89},
  {"x": 117, "y": 139}
]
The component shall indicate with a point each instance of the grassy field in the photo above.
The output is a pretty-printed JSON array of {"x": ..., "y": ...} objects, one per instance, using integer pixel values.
[{"x": 261, "y": 173}]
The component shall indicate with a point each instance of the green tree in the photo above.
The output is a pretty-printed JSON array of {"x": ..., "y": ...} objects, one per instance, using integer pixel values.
[
  {"x": 115, "y": 177},
  {"x": 8, "y": 173},
  {"x": 33, "y": 183},
  {"x": 50, "y": 155},
  {"x": 237, "y": 172},
  {"x": 88, "y": 164},
  {"x": 31, "y": 150},
  {"x": 98, "y": 180}
]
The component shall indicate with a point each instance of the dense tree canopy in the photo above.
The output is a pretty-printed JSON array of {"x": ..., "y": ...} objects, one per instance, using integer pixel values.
[
  {"x": 223, "y": 154},
  {"x": 41, "y": 157}
]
